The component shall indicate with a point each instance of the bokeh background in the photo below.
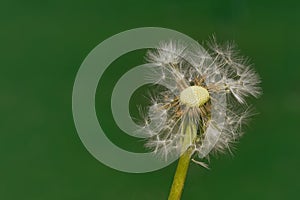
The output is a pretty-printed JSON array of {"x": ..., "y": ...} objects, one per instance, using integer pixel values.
[{"x": 42, "y": 46}]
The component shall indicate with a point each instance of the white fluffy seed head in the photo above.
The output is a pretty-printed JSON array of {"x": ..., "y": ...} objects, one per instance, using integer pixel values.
[
  {"x": 194, "y": 77},
  {"x": 194, "y": 96}
]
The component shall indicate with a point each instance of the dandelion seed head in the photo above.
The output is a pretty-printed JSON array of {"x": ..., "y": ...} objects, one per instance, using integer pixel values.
[{"x": 205, "y": 105}]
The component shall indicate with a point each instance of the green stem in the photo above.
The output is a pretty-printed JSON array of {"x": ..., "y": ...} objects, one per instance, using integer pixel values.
[
  {"x": 190, "y": 135},
  {"x": 180, "y": 175},
  {"x": 190, "y": 130}
]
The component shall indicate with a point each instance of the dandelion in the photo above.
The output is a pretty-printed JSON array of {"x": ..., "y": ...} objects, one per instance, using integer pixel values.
[{"x": 204, "y": 107}]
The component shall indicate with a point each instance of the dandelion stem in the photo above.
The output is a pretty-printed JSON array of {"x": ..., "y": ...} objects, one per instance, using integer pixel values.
[
  {"x": 190, "y": 130},
  {"x": 180, "y": 175}
]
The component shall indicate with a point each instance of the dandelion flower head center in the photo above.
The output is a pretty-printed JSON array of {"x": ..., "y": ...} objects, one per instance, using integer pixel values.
[{"x": 194, "y": 96}]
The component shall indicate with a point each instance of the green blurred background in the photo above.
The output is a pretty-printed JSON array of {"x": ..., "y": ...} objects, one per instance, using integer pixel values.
[{"x": 42, "y": 46}]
